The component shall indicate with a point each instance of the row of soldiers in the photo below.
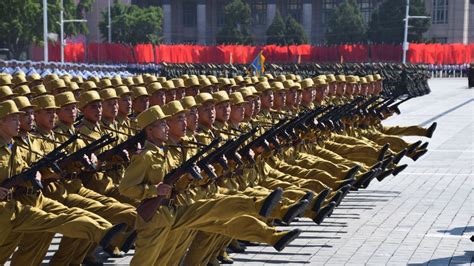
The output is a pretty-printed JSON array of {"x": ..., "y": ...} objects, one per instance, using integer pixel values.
[{"x": 180, "y": 169}]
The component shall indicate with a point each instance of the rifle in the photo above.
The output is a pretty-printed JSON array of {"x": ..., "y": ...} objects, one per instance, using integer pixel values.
[
  {"x": 394, "y": 107},
  {"x": 228, "y": 149},
  {"x": 46, "y": 161},
  {"x": 148, "y": 207},
  {"x": 260, "y": 141},
  {"x": 129, "y": 144},
  {"x": 87, "y": 150}
]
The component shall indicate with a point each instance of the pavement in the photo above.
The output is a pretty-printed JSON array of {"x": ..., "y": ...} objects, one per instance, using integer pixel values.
[{"x": 423, "y": 216}]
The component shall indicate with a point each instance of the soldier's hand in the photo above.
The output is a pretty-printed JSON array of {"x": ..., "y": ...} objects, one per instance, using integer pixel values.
[
  {"x": 3, "y": 193},
  {"x": 93, "y": 159},
  {"x": 163, "y": 189}
]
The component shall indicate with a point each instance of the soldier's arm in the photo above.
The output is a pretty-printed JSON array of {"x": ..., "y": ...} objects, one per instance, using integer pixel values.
[{"x": 134, "y": 184}]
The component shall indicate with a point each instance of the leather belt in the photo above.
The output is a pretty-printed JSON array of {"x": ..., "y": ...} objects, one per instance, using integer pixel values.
[{"x": 26, "y": 191}]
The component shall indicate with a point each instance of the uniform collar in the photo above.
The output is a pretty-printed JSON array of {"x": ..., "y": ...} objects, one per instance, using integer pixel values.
[
  {"x": 153, "y": 148},
  {"x": 90, "y": 125}
]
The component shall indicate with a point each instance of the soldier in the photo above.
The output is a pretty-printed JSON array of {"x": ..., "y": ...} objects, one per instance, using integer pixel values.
[{"x": 28, "y": 211}]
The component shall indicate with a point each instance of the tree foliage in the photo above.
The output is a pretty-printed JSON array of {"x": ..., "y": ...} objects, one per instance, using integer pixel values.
[
  {"x": 346, "y": 24},
  {"x": 237, "y": 22},
  {"x": 132, "y": 25},
  {"x": 285, "y": 32},
  {"x": 277, "y": 30},
  {"x": 387, "y": 25},
  {"x": 294, "y": 32},
  {"x": 22, "y": 22}
]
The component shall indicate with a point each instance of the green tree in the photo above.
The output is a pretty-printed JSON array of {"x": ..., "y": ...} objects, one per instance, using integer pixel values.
[
  {"x": 132, "y": 25},
  {"x": 294, "y": 32},
  {"x": 237, "y": 20},
  {"x": 276, "y": 30},
  {"x": 386, "y": 25},
  {"x": 22, "y": 22},
  {"x": 346, "y": 25}
]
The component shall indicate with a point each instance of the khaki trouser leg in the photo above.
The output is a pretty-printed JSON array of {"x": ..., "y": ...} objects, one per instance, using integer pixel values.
[{"x": 404, "y": 131}]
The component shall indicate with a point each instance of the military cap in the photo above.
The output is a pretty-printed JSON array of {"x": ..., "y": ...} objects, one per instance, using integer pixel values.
[
  {"x": 351, "y": 79},
  {"x": 290, "y": 84},
  {"x": 203, "y": 98},
  {"x": 297, "y": 78},
  {"x": 6, "y": 92},
  {"x": 248, "y": 81},
  {"x": 71, "y": 85},
  {"x": 8, "y": 108},
  {"x": 224, "y": 82},
  {"x": 233, "y": 83},
  {"x": 378, "y": 77},
  {"x": 307, "y": 83},
  {"x": 236, "y": 98},
  {"x": 340, "y": 78},
  {"x": 19, "y": 80},
  {"x": 139, "y": 91},
  {"x": 5, "y": 80},
  {"x": 44, "y": 102},
  {"x": 369, "y": 78},
  {"x": 23, "y": 90},
  {"x": 269, "y": 76},
  {"x": 320, "y": 82},
  {"x": 246, "y": 92},
  {"x": 105, "y": 83},
  {"x": 65, "y": 98},
  {"x": 277, "y": 86},
  {"x": 168, "y": 85},
  {"x": 138, "y": 81},
  {"x": 154, "y": 87},
  {"x": 280, "y": 78},
  {"x": 173, "y": 108},
  {"x": 161, "y": 79},
  {"x": 50, "y": 77},
  {"x": 220, "y": 97},
  {"x": 55, "y": 84},
  {"x": 322, "y": 76},
  {"x": 122, "y": 91},
  {"x": 205, "y": 82},
  {"x": 88, "y": 97},
  {"x": 188, "y": 102},
  {"x": 254, "y": 80},
  {"x": 66, "y": 77},
  {"x": 94, "y": 79},
  {"x": 34, "y": 77},
  {"x": 262, "y": 79},
  {"x": 116, "y": 81},
  {"x": 128, "y": 81},
  {"x": 150, "y": 79},
  {"x": 38, "y": 90},
  {"x": 78, "y": 79},
  {"x": 330, "y": 78},
  {"x": 190, "y": 82},
  {"x": 263, "y": 86},
  {"x": 239, "y": 79},
  {"x": 363, "y": 80},
  {"x": 89, "y": 85},
  {"x": 107, "y": 94},
  {"x": 23, "y": 102},
  {"x": 178, "y": 83},
  {"x": 213, "y": 79},
  {"x": 149, "y": 116},
  {"x": 185, "y": 76}
]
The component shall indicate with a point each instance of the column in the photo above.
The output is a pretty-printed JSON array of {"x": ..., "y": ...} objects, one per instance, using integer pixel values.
[
  {"x": 201, "y": 21},
  {"x": 271, "y": 10},
  {"x": 167, "y": 21},
  {"x": 307, "y": 18}
]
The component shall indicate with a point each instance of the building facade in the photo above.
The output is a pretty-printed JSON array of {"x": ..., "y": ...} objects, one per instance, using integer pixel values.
[{"x": 198, "y": 21}]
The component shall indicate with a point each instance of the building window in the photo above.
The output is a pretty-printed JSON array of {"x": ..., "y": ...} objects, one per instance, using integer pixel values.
[
  {"x": 294, "y": 9},
  {"x": 259, "y": 12},
  {"x": 440, "y": 11},
  {"x": 189, "y": 13},
  {"x": 366, "y": 8},
  {"x": 328, "y": 9}
]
